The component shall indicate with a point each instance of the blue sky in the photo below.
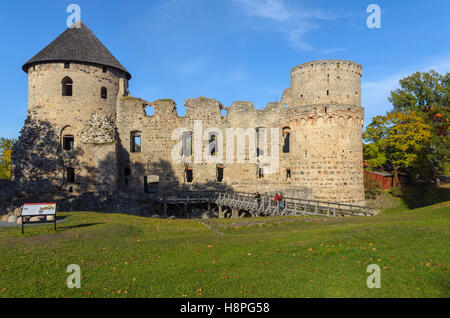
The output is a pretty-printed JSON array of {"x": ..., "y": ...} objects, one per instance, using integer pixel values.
[{"x": 230, "y": 49}]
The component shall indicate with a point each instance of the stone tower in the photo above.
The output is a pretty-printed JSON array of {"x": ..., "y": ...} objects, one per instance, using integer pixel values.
[
  {"x": 69, "y": 138},
  {"x": 324, "y": 103}
]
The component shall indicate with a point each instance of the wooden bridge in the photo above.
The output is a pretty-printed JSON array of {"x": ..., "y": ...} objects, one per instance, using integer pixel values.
[{"x": 238, "y": 204}]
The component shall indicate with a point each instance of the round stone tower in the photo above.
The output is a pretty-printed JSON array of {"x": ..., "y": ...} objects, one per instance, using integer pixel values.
[
  {"x": 73, "y": 77},
  {"x": 74, "y": 87},
  {"x": 326, "y": 118}
]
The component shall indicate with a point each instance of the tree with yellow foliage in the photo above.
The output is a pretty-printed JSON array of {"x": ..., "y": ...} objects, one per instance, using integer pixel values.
[
  {"x": 6, "y": 146},
  {"x": 403, "y": 137}
]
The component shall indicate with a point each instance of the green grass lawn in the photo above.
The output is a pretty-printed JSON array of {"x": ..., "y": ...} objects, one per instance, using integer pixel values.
[{"x": 128, "y": 256}]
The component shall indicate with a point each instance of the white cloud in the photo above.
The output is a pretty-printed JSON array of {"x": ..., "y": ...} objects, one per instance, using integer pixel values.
[
  {"x": 293, "y": 23},
  {"x": 270, "y": 9}
]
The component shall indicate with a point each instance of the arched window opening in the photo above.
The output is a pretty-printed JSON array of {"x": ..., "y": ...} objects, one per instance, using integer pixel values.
[
  {"x": 105, "y": 69},
  {"x": 135, "y": 137},
  {"x": 223, "y": 113},
  {"x": 67, "y": 138},
  {"x": 287, "y": 139},
  {"x": 104, "y": 93},
  {"x": 70, "y": 175},
  {"x": 328, "y": 92},
  {"x": 189, "y": 174},
  {"x": 219, "y": 171},
  {"x": 67, "y": 89},
  {"x": 187, "y": 144}
]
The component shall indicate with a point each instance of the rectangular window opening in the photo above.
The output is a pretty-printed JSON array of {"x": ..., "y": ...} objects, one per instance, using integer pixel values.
[
  {"x": 187, "y": 144},
  {"x": 261, "y": 173},
  {"x": 135, "y": 142},
  {"x": 145, "y": 184},
  {"x": 189, "y": 175},
  {"x": 213, "y": 144},
  {"x": 70, "y": 174},
  {"x": 288, "y": 173},
  {"x": 220, "y": 174},
  {"x": 68, "y": 142}
]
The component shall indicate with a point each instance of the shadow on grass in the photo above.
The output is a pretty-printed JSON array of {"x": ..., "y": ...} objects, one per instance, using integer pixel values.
[
  {"x": 420, "y": 195},
  {"x": 78, "y": 226}
]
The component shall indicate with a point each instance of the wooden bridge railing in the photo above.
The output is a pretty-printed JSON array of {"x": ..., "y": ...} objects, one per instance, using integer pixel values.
[{"x": 265, "y": 205}]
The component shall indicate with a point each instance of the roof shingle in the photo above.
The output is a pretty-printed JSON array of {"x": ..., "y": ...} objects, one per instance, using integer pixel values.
[{"x": 76, "y": 45}]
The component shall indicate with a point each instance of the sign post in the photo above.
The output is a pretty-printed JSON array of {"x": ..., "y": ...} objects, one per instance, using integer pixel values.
[{"x": 38, "y": 209}]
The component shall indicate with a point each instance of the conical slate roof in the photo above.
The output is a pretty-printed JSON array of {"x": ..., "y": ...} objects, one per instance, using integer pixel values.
[{"x": 76, "y": 45}]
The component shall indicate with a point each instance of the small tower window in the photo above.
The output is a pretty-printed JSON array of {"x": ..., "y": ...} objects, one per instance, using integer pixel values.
[
  {"x": 68, "y": 142},
  {"x": 66, "y": 65},
  {"x": 287, "y": 139},
  {"x": 145, "y": 184},
  {"x": 135, "y": 137},
  {"x": 104, "y": 69},
  {"x": 328, "y": 92},
  {"x": 104, "y": 93},
  {"x": 70, "y": 175},
  {"x": 189, "y": 175},
  {"x": 288, "y": 173},
  {"x": 220, "y": 173},
  {"x": 67, "y": 84}
]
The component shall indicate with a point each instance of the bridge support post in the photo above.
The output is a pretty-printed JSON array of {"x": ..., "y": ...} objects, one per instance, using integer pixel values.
[
  {"x": 209, "y": 206},
  {"x": 185, "y": 209},
  {"x": 234, "y": 213},
  {"x": 221, "y": 216},
  {"x": 165, "y": 204}
]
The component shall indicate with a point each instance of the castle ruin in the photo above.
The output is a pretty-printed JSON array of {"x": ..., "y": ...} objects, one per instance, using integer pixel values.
[{"x": 85, "y": 133}]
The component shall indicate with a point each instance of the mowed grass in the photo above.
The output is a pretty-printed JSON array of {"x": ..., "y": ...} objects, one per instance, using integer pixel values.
[{"x": 128, "y": 256}]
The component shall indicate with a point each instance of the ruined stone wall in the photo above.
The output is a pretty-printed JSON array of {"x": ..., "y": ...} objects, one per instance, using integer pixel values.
[
  {"x": 325, "y": 157},
  {"x": 156, "y": 131}
]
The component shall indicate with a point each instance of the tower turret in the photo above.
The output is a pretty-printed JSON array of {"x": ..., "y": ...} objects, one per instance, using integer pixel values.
[
  {"x": 74, "y": 87},
  {"x": 326, "y": 82}
]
